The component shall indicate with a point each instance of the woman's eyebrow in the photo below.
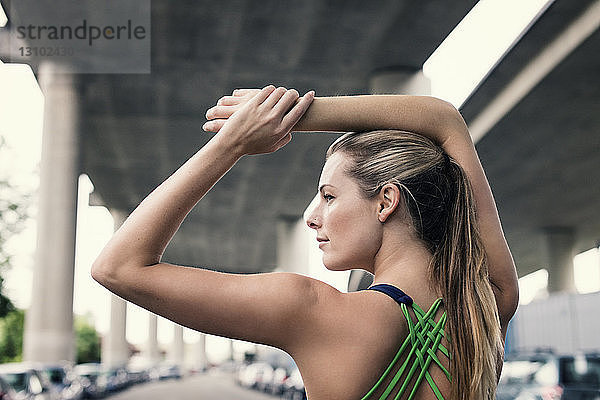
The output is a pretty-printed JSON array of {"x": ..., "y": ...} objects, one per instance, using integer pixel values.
[{"x": 323, "y": 185}]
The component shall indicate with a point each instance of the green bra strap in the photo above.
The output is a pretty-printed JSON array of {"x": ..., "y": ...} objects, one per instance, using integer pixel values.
[
  {"x": 425, "y": 337},
  {"x": 407, "y": 341}
]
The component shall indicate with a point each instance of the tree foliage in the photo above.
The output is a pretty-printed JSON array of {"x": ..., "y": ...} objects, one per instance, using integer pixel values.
[
  {"x": 13, "y": 214},
  {"x": 11, "y": 336},
  {"x": 88, "y": 341}
]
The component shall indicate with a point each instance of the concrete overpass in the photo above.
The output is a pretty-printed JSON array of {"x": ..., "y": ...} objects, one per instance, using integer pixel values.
[{"x": 129, "y": 132}]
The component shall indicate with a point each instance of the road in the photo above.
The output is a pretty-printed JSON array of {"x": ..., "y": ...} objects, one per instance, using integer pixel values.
[{"x": 199, "y": 387}]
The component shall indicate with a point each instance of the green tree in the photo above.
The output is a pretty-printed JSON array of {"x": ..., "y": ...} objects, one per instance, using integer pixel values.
[
  {"x": 11, "y": 336},
  {"x": 88, "y": 341},
  {"x": 13, "y": 214}
]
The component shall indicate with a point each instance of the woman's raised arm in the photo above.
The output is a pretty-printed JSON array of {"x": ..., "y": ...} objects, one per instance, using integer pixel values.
[
  {"x": 428, "y": 116},
  {"x": 264, "y": 308}
]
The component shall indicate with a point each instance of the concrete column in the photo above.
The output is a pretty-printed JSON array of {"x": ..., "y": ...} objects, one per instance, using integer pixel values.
[
  {"x": 231, "y": 350},
  {"x": 201, "y": 363},
  {"x": 115, "y": 350},
  {"x": 49, "y": 321},
  {"x": 292, "y": 245},
  {"x": 152, "y": 353},
  {"x": 557, "y": 255},
  {"x": 177, "y": 346}
]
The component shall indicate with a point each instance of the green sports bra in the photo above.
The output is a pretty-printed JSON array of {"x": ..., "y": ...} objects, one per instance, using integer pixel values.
[{"x": 420, "y": 346}]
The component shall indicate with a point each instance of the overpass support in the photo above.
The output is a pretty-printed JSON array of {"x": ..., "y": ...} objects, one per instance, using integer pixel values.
[
  {"x": 292, "y": 245},
  {"x": 115, "y": 351},
  {"x": 177, "y": 346},
  {"x": 201, "y": 362},
  {"x": 49, "y": 321},
  {"x": 152, "y": 353},
  {"x": 557, "y": 255}
]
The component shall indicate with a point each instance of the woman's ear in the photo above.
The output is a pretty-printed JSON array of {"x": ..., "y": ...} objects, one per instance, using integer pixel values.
[{"x": 388, "y": 200}]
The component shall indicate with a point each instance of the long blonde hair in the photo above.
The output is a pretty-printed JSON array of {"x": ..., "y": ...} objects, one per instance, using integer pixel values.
[{"x": 439, "y": 199}]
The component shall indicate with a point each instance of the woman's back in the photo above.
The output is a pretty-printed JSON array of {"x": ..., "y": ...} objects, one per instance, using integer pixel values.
[{"x": 356, "y": 337}]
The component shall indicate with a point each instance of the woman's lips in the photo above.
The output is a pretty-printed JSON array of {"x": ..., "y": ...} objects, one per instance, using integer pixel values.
[{"x": 323, "y": 242}]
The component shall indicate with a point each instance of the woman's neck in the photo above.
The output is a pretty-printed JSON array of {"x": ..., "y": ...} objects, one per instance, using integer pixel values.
[{"x": 403, "y": 263}]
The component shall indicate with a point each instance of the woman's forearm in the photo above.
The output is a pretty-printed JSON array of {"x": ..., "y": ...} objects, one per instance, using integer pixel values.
[
  {"x": 425, "y": 115},
  {"x": 141, "y": 240}
]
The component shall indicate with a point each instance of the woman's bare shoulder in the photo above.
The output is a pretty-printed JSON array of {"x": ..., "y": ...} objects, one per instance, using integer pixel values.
[{"x": 353, "y": 338}]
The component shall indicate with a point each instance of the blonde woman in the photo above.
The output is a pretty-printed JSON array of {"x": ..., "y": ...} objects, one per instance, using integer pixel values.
[{"x": 404, "y": 197}]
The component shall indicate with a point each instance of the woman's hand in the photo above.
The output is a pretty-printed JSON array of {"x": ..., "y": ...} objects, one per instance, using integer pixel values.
[
  {"x": 226, "y": 106},
  {"x": 258, "y": 121}
]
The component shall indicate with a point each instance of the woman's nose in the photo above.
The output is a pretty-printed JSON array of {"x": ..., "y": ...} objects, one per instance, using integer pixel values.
[{"x": 310, "y": 213}]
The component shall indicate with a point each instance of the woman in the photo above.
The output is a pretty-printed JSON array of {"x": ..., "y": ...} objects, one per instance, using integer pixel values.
[{"x": 389, "y": 202}]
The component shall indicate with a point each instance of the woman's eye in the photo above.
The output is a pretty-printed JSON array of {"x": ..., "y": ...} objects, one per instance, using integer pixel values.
[{"x": 327, "y": 197}]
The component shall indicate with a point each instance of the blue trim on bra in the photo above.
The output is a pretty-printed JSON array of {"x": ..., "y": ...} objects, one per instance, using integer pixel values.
[{"x": 398, "y": 295}]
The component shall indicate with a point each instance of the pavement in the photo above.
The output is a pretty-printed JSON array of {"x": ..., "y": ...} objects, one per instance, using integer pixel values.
[{"x": 197, "y": 387}]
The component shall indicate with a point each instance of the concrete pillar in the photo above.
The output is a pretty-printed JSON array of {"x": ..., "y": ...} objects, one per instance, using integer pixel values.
[
  {"x": 231, "y": 350},
  {"x": 292, "y": 245},
  {"x": 49, "y": 321},
  {"x": 115, "y": 350},
  {"x": 201, "y": 362},
  {"x": 176, "y": 355},
  {"x": 557, "y": 255},
  {"x": 152, "y": 353}
]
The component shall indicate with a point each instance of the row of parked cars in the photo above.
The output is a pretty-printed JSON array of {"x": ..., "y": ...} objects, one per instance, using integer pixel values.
[
  {"x": 276, "y": 380},
  {"x": 38, "y": 381},
  {"x": 544, "y": 375}
]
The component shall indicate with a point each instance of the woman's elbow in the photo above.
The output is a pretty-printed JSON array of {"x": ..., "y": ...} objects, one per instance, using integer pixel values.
[{"x": 101, "y": 273}]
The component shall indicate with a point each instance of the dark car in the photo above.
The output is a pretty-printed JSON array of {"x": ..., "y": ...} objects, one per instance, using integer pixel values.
[
  {"x": 6, "y": 391},
  {"x": 28, "y": 381},
  {"x": 93, "y": 380},
  {"x": 61, "y": 376},
  {"x": 546, "y": 376},
  {"x": 294, "y": 386}
]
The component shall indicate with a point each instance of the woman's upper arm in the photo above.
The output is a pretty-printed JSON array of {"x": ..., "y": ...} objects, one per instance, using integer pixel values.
[{"x": 268, "y": 308}]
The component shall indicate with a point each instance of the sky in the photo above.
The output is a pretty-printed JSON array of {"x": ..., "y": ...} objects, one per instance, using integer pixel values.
[{"x": 464, "y": 56}]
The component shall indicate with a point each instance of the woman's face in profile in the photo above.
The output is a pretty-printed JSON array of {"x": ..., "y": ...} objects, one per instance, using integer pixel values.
[{"x": 347, "y": 225}]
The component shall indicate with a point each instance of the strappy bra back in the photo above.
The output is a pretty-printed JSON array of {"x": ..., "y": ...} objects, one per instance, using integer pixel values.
[{"x": 420, "y": 348}]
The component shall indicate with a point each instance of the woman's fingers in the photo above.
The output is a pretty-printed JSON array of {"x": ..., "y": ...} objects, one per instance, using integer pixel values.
[
  {"x": 294, "y": 115},
  {"x": 261, "y": 96},
  {"x": 273, "y": 98},
  {"x": 286, "y": 102},
  {"x": 213, "y": 126},
  {"x": 244, "y": 92},
  {"x": 229, "y": 100}
]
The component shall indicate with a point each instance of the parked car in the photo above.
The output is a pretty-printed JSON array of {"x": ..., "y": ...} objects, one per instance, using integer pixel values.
[
  {"x": 28, "y": 381},
  {"x": 6, "y": 391},
  {"x": 547, "y": 376},
  {"x": 94, "y": 382},
  {"x": 168, "y": 371},
  {"x": 67, "y": 383},
  {"x": 280, "y": 376},
  {"x": 294, "y": 386},
  {"x": 116, "y": 379},
  {"x": 254, "y": 375}
]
